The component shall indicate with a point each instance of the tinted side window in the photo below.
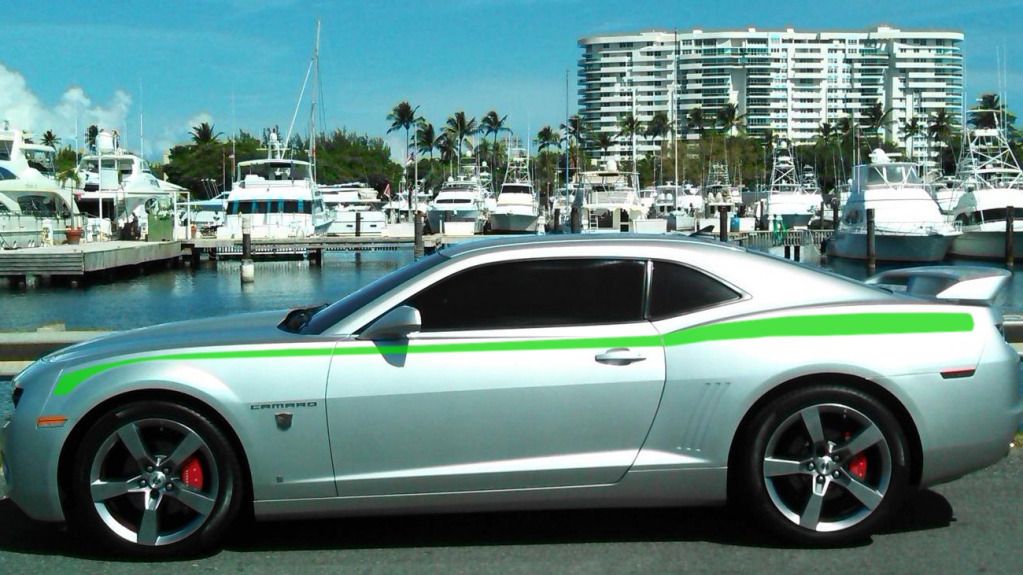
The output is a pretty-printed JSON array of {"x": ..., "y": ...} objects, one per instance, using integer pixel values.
[
  {"x": 535, "y": 293},
  {"x": 675, "y": 290}
]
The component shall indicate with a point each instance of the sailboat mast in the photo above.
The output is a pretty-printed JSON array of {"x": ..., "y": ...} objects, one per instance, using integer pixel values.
[{"x": 674, "y": 113}]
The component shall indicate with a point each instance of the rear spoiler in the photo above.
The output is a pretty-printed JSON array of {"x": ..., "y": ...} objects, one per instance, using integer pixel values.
[{"x": 960, "y": 284}]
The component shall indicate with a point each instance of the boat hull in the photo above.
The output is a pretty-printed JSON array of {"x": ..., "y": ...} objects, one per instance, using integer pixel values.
[
  {"x": 891, "y": 247},
  {"x": 436, "y": 217},
  {"x": 524, "y": 223},
  {"x": 985, "y": 244}
]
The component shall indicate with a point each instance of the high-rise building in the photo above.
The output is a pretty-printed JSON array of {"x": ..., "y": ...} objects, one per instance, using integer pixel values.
[{"x": 787, "y": 82}]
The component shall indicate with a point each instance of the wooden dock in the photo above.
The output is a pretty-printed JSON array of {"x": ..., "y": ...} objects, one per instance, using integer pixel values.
[{"x": 77, "y": 260}]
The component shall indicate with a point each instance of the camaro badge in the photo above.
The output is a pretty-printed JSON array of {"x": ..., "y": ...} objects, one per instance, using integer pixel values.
[{"x": 283, "y": 420}]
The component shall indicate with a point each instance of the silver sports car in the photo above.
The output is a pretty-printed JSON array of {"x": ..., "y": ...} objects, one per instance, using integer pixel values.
[{"x": 541, "y": 373}]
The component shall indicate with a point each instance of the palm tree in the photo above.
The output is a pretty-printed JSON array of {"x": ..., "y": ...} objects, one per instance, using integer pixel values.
[
  {"x": 875, "y": 118},
  {"x": 460, "y": 127},
  {"x": 990, "y": 112},
  {"x": 910, "y": 129},
  {"x": 204, "y": 134},
  {"x": 90, "y": 136},
  {"x": 445, "y": 144},
  {"x": 50, "y": 139},
  {"x": 604, "y": 141},
  {"x": 575, "y": 129},
  {"x": 547, "y": 137},
  {"x": 825, "y": 132},
  {"x": 629, "y": 126},
  {"x": 940, "y": 128},
  {"x": 730, "y": 119},
  {"x": 696, "y": 121},
  {"x": 493, "y": 124},
  {"x": 403, "y": 117},
  {"x": 657, "y": 127},
  {"x": 426, "y": 138}
]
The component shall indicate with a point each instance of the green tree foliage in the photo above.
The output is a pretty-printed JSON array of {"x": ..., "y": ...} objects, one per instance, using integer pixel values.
[{"x": 341, "y": 157}]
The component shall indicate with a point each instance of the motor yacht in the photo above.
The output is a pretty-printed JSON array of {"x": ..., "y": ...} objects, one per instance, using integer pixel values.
[
  {"x": 991, "y": 183},
  {"x": 517, "y": 209},
  {"x": 908, "y": 226}
]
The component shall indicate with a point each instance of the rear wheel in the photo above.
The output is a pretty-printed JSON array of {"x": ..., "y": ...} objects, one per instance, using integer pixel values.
[
  {"x": 155, "y": 478},
  {"x": 824, "y": 465}
]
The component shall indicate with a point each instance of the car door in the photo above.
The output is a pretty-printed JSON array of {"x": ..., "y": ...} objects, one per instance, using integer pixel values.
[{"x": 528, "y": 373}]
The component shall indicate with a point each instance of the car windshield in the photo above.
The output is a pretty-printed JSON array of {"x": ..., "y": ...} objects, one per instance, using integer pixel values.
[{"x": 330, "y": 315}]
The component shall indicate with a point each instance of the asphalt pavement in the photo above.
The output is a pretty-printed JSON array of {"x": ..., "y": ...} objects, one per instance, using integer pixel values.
[{"x": 973, "y": 525}]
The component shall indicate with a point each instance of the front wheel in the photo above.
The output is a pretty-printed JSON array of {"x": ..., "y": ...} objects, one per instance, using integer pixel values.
[
  {"x": 153, "y": 479},
  {"x": 823, "y": 465}
]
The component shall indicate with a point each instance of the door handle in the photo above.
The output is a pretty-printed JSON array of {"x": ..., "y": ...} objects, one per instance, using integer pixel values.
[{"x": 619, "y": 356}]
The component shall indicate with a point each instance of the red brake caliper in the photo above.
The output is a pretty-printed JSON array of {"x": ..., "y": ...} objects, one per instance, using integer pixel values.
[
  {"x": 858, "y": 464},
  {"x": 191, "y": 473}
]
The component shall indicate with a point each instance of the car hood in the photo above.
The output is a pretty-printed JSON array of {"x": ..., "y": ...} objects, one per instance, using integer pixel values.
[{"x": 244, "y": 329}]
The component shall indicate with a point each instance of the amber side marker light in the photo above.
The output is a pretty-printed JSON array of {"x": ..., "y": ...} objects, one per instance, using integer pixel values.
[
  {"x": 51, "y": 421},
  {"x": 958, "y": 373}
]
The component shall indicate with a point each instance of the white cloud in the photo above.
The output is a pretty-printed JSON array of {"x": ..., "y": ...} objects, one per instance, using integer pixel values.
[{"x": 24, "y": 110}]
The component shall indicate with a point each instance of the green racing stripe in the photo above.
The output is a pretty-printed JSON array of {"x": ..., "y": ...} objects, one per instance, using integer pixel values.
[{"x": 797, "y": 326}]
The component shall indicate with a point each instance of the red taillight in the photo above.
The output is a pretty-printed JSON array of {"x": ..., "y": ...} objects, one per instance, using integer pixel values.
[{"x": 191, "y": 473}]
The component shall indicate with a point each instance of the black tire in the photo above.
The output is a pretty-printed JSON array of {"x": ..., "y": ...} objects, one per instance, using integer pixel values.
[
  {"x": 828, "y": 492},
  {"x": 189, "y": 509}
]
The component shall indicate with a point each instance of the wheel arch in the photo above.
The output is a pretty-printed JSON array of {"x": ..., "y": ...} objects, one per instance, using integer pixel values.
[
  {"x": 868, "y": 387},
  {"x": 77, "y": 433}
]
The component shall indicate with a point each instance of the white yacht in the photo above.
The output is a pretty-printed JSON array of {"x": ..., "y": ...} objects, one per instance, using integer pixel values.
[
  {"x": 34, "y": 210},
  {"x": 114, "y": 184},
  {"x": 908, "y": 224},
  {"x": 991, "y": 182},
  {"x": 517, "y": 208},
  {"x": 679, "y": 205},
  {"x": 718, "y": 190},
  {"x": 463, "y": 200},
  {"x": 789, "y": 203},
  {"x": 610, "y": 199},
  {"x": 280, "y": 196},
  {"x": 345, "y": 203}
]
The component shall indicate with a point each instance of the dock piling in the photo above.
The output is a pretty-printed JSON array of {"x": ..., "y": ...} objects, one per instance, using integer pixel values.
[
  {"x": 871, "y": 246},
  {"x": 248, "y": 270},
  {"x": 358, "y": 224},
  {"x": 834, "y": 213},
  {"x": 723, "y": 223},
  {"x": 420, "y": 249},
  {"x": 1010, "y": 237},
  {"x": 577, "y": 220}
]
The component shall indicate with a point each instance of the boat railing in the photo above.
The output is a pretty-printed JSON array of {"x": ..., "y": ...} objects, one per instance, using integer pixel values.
[{"x": 763, "y": 240}]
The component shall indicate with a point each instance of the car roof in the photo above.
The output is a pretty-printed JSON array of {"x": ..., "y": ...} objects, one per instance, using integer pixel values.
[{"x": 475, "y": 247}]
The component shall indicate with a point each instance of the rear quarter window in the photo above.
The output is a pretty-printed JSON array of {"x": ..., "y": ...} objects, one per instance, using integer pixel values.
[{"x": 676, "y": 290}]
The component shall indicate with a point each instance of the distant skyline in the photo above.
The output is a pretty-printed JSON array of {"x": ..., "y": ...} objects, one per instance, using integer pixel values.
[{"x": 240, "y": 64}]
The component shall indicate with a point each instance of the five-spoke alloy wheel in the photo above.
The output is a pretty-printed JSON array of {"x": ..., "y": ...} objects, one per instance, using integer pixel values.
[
  {"x": 155, "y": 478},
  {"x": 825, "y": 464}
]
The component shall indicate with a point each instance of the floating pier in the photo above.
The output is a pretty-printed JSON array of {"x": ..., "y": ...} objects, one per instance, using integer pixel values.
[{"x": 78, "y": 260}]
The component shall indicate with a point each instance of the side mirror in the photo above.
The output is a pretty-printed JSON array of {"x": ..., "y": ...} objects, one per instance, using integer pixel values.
[{"x": 395, "y": 324}]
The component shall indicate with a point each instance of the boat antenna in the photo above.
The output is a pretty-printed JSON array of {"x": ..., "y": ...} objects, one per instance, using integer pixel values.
[
  {"x": 301, "y": 94},
  {"x": 568, "y": 143},
  {"x": 142, "y": 108}
]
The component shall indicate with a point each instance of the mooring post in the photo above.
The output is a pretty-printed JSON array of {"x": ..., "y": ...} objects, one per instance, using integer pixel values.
[
  {"x": 795, "y": 251},
  {"x": 248, "y": 268},
  {"x": 788, "y": 252},
  {"x": 419, "y": 250},
  {"x": 1010, "y": 237},
  {"x": 871, "y": 247},
  {"x": 723, "y": 223},
  {"x": 358, "y": 224}
]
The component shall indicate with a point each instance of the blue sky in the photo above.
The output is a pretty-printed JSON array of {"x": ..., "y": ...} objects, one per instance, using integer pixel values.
[{"x": 241, "y": 63}]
